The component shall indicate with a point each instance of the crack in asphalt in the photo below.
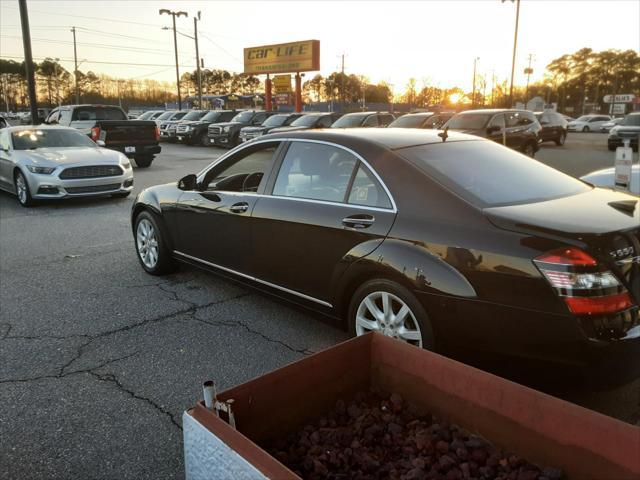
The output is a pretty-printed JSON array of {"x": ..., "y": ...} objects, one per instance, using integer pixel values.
[
  {"x": 111, "y": 378},
  {"x": 9, "y": 327}
]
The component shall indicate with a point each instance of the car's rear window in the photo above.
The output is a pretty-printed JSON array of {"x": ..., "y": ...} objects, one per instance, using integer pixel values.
[
  {"x": 471, "y": 121},
  {"x": 489, "y": 175},
  {"x": 98, "y": 113},
  {"x": 408, "y": 121}
]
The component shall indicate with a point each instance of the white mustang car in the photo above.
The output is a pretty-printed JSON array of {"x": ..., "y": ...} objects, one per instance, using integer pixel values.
[{"x": 47, "y": 162}]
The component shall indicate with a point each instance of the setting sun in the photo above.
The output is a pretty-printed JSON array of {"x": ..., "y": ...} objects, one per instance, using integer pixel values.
[{"x": 455, "y": 97}]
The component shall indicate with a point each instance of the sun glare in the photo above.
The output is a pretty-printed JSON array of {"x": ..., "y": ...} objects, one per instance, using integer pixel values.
[{"x": 455, "y": 97}]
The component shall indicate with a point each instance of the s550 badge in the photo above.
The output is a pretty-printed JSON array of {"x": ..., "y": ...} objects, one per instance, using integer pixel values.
[{"x": 621, "y": 252}]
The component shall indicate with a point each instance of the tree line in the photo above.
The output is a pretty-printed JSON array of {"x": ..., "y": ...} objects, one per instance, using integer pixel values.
[{"x": 575, "y": 82}]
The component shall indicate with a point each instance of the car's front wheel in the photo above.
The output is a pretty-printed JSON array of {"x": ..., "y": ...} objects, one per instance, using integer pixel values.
[
  {"x": 561, "y": 138},
  {"x": 22, "y": 190},
  {"x": 586, "y": 129},
  {"x": 151, "y": 245},
  {"x": 529, "y": 150},
  {"x": 204, "y": 139},
  {"x": 390, "y": 309}
]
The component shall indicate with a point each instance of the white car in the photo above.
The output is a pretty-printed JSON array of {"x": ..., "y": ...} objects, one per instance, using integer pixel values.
[
  {"x": 50, "y": 162},
  {"x": 609, "y": 125},
  {"x": 606, "y": 178},
  {"x": 588, "y": 123}
]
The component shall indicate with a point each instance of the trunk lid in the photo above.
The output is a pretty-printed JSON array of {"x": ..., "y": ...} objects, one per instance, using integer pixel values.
[
  {"x": 129, "y": 132},
  {"x": 603, "y": 222}
]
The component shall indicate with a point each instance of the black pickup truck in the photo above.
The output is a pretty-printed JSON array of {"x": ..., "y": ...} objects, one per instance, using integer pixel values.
[
  {"x": 227, "y": 134},
  {"x": 109, "y": 125}
]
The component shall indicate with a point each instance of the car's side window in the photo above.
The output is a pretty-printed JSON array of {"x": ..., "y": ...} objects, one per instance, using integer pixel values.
[
  {"x": 244, "y": 172},
  {"x": 497, "y": 121},
  {"x": 371, "y": 121},
  {"x": 315, "y": 171},
  {"x": 65, "y": 117},
  {"x": 259, "y": 118},
  {"x": 517, "y": 119},
  {"x": 325, "y": 122},
  {"x": 385, "y": 120},
  {"x": 367, "y": 191},
  {"x": 53, "y": 117}
]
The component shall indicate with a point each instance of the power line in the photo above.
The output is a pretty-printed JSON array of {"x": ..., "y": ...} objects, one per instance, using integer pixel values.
[
  {"x": 101, "y": 62},
  {"x": 221, "y": 48}
]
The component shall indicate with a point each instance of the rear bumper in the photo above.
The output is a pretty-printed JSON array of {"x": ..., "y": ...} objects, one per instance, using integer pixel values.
[
  {"x": 153, "y": 149},
  {"x": 549, "y": 337}
]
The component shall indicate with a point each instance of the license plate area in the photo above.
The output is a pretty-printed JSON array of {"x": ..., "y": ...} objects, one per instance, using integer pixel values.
[{"x": 129, "y": 149}]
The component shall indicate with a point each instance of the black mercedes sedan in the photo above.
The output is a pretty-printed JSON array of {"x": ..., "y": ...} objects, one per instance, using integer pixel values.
[{"x": 434, "y": 238}]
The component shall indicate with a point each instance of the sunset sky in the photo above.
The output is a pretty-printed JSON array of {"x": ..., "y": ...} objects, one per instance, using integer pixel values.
[{"x": 435, "y": 41}]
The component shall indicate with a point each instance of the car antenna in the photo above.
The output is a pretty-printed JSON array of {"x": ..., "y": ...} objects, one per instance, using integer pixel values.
[{"x": 444, "y": 134}]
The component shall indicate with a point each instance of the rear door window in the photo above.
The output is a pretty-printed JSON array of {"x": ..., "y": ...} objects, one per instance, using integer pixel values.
[
  {"x": 486, "y": 174},
  {"x": 371, "y": 121},
  {"x": 315, "y": 171},
  {"x": 367, "y": 191},
  {"x": 92, "y": 113}
]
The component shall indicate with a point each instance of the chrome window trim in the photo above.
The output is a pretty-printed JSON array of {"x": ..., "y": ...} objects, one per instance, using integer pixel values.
[
  {"x": 239, "y": 148},
  {"x": 250, "y": 277}
]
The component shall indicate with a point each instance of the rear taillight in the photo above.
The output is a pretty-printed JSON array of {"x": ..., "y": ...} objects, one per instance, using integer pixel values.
[
  {"x": 157, "y": 133},
  {"x": 585, "y": 287},
  {"x": 95, "y": 134}
]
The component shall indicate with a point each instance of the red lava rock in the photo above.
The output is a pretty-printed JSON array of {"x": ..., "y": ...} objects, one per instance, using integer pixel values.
[
  {"x": 380, "y": 436},
  {"x": 442, "y": 446}
]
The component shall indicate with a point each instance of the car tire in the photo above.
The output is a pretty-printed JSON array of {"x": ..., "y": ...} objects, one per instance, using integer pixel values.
[
  {"x": 143, "y": 161},
  {"x": 22, "y": 190},
  {"x": 529, "y": 149},
  {"x": 121, "y": 195},
  {"x": 416, "y": 328},
  {"x": 586, "y": 129},
  {"x": 151, "y": 245},
  {"x": 204, "y": 139},
  {"x": 561, "y": 139}
]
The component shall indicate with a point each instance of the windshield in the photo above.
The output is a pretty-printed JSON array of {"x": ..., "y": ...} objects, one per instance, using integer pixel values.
[
  {"x": 49, "y": 138},
  {"x": 211, "y": 117},
  {"x": 632, "y": 120},
  {"x": 349, "y": 121},
  {"x": 98, "y": 113},
  {"x": 408, "y": 121},
  {"x": 469, "y": 121},
  {"x": 146, "y": 115},
  {"x": 305, "y": 121},
  {"x": 195, "y": 115},
  {"x": 488, "y": 175},
  {"x": 243, "y": 117},
  {"x": 275, "y": 121},
  {"x": 178, "y": 115},
  {"x": 165, "y": 115}
]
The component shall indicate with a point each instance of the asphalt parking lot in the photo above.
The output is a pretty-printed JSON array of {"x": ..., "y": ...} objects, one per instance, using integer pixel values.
[{"x": 98, "y": 359}]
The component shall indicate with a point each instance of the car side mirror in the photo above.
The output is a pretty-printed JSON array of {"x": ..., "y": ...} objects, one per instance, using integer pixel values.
[
  {"x": 189, "y": 182},
  {"x": 101, "y": 143}
]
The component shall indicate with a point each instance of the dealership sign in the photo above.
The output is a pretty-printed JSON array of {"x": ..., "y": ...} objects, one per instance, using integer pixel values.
[
  {"x": 622, "y": 98},
  {"x": 282, "y": 83},
  {"x": 283, "y": 58}
]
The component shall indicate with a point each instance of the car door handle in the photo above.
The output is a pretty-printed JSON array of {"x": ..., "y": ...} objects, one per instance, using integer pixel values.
[
  {"x": 239, "y": 207},
  {"x": 358, "y": 221}
]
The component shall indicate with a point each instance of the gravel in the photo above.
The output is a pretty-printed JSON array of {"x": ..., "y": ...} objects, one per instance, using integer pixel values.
[{"x": 380, "y": 436}]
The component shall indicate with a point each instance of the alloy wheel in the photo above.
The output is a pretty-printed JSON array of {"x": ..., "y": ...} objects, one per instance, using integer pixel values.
[
  {"x": 387, "y": 314},
  {"x": 529, "y": 151},
  {"x": 147, "y": 243},
  {"x": 21, "y": 189}
]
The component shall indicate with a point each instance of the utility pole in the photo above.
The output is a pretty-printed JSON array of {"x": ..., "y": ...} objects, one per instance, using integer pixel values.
[
  {"x": 75, "y": 62},
  {"x": 342, "y": 87},
  {"x": 515, "y": 44},
  {"x": 528, "y": 71},
  {"x": 195, "y": 30},
  {"x": 164, "y": 11},
  {"x": 473, "y": 94},
  {"x": 28, "y": 61}
]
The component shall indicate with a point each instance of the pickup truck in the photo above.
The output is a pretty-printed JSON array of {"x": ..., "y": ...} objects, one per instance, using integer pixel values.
[
  {"x": 109, "y": 126},
  {"x": 227, "y": 134}
]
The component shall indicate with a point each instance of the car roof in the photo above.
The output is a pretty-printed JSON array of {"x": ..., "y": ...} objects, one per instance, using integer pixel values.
[
  {"x": 361, "y": 113},
  {"x": 393, "y": 139},
  {"x": 418, "y": 114},
  {"x": 493, "y": 110}
]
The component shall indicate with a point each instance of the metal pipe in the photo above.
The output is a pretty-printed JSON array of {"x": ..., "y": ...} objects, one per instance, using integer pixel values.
[{"x": 209, "y": 393}]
